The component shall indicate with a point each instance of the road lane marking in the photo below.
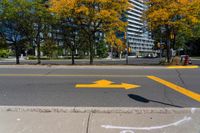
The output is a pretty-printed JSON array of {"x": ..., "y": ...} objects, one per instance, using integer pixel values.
[
  {"x": 183, "y": 67},
  {"x": 67, "y": 75},
  {"x": 106, "y": 84},
  {"x": 184, "y": 91}
]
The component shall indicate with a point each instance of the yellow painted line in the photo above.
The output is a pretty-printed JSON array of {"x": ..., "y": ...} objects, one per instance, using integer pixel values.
[
  {"x": 67, "y": 75},
  {"x": 183, "y": 67},
  {"x": 184, "y": 91},
  {"x": 106, "y": 84}
]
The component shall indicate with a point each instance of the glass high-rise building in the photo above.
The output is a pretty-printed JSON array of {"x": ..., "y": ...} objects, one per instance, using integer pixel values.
[{"x": 138, "y": 37}]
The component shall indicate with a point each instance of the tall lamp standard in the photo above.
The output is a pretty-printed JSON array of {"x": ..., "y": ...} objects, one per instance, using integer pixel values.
[{"x": 127, "y": 47}]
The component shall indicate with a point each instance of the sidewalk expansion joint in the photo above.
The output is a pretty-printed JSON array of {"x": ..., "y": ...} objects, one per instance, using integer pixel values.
[{"x": 88, "y": 122}]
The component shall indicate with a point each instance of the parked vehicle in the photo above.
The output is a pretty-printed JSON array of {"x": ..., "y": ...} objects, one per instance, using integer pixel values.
[{"x": 150, "y": 56}]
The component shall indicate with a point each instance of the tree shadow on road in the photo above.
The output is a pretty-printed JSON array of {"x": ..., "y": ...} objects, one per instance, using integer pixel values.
[{"x": 145, "y": 100}]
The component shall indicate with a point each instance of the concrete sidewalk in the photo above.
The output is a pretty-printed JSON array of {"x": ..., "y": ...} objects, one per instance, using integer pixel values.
[{"x": 98, "y": 120}]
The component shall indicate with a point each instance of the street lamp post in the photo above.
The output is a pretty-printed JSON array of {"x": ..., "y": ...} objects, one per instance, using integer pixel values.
[{"x": 127, "y": 47}]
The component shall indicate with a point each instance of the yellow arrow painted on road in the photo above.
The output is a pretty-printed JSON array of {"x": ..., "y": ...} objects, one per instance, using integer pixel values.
[{"x": 107, "y": 84}]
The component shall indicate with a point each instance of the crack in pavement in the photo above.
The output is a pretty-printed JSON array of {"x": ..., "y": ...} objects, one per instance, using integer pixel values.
[
  {"x": 183, "y": 83},
  {"x": 165, "y": 94},
  {"x": 181, "y": 79},
  {"x": 49, "y": 72}
]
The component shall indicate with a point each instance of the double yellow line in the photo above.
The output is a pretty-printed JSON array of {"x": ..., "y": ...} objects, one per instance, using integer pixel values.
[{"x": 177, "y": 88}]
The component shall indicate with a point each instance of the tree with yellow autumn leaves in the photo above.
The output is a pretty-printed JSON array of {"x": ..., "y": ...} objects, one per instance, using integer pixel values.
[
  {"x": 94, "y": 17},
  {"x": 171, "y": 17}
]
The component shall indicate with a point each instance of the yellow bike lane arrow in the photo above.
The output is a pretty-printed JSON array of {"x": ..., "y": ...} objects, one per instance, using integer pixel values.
[{"x": 106, "y": 84}]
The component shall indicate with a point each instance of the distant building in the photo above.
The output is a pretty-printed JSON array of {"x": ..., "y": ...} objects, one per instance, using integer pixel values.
[{"x": 138, "y": 37}]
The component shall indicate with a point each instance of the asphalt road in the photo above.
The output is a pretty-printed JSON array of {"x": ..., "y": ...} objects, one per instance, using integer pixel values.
[{"x": 57, "y": 87}]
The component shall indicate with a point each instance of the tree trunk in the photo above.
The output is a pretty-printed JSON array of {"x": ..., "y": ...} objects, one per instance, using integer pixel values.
[
  {"x": 73, "y": 52},
  {"x": 38, "y": 44},
  {"x": 38, "y": 52},
  {"x": 38, "y": 55},
  {"x": 91, "y": 50},
  {"x": 168, "y": 43},
  {"x": 168, "y": 51},
  {"x": 17, "y": 53},
  {"x": 91, "y": 53},
  {"x": 174, "y": 41},
  {"x": 111, "y": 52}
]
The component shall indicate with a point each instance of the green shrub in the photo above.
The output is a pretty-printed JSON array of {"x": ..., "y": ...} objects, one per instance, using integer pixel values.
[
  {"x": 4, "y": 53},
  {"x": 35, "y": 58}
]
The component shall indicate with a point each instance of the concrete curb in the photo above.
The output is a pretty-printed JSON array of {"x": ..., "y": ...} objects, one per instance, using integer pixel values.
[
  {"x": 127, "y": 110},
  {"x": 98, "y": 67},
  {"x": 83, "y": 66}
]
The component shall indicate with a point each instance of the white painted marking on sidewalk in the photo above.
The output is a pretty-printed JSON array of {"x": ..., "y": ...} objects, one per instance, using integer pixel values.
[
  {"x": 127, "y": 131},
  {"x": 182, "y": 121},
  {"x": 193, "y": 110}
]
